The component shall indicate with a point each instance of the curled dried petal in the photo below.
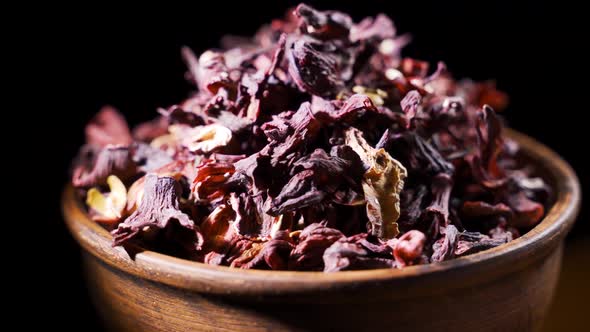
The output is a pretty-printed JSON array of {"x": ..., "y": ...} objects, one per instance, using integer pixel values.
[
  {"x": 438, "y": 209},
  {"x": 248, "y": 251},
  {"x": 320, "y": 177},
  {"x": 323, "y": 25},
  {"x": 420, "y": 157},
  {"x": 248, "y": 221},
  {"x": 410, "y": 105},
  {"x": 111, "y": 160},
  {"x": 148, "y": 158},
  {"x": 471, "y": 209},
  {"x": 444, "y": 248},
  {"x": 355, "y": 104},
  {"x": 209, "y": 180},
  {"x": 313, "y": 241},
  {"x": 108, "y": 127},
  {"x": 109, "y": 207},
  {"x": 272, "y": 255},
  {"x": 314, "y": 70},
  {"x": 527, "y": 212},
  {"x": 472, "y": 242},
  {"x": 380, "y": 28},
  {"x": 349, "y": 254},
  {"x": 159, "y": 206},
  {"x": 409, "y": 247},
  {"x": 134, "y": 195},
  {"x": 217, "y": 233},
  {"x": 210, "y": 71},
  {"x": 148, "y": 131},
  {"x": 205, "y": 139},
  {"x": 382, "y": 183}
]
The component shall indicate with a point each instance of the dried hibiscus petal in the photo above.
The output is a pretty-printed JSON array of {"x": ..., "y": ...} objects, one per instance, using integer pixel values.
[
  {"x": 217, "y": 234},
  {"x": 270, "y": 255},
  {"x": 323, "y": 25},
  {"x": 472, "y": 209},
  {"x": 314, "y": 68},
  {"x": 248, "y": 220},
  {"x": 527, "y": 212},
  {"x": 147, "y": 131},
  {"x": 410, "y": 105},
  {"x": 111, "y": 160},
  {"x": 209, "y": 179},
  {"x": 409, "y": 247},
  {"x": 472, "y": 242},
  {"x": 354, "y": 105},
  {"x": 350, "y": 254},
  {"x": 159, "y": 206},
  {"x": 379, "y": 28},
  {"x": 313, "y": 241},
  {"x": 444, "y": 248},
  {"x": 108, "y": 127},
  {"x": 148, "y": 158},
  {"x": 334, "y": 174}
]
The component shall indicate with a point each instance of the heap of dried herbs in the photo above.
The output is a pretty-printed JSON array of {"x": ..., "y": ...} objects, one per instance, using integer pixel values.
[{"x": 313, "y": 146}]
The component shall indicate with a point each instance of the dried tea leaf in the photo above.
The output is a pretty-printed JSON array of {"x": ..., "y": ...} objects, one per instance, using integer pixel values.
[{"x": 382, "y": 183}]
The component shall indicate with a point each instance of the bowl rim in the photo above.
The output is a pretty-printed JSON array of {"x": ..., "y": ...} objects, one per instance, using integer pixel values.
[{"x": 191, "y": 275}]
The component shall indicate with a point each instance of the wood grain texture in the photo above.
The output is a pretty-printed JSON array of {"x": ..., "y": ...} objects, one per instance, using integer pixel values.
[{"x": 505, "y": 288}]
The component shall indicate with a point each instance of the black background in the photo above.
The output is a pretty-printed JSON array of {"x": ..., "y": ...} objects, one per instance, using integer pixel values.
[{"x": 129, "y": 58}]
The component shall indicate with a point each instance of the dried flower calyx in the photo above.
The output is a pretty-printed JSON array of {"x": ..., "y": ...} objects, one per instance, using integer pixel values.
[
  {"x": 159, "y": 207},
  {"x": 313, "y": 146}
]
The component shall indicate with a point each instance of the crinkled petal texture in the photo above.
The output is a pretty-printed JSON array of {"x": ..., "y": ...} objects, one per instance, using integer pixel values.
[
  {"x": 159, "y": 207},
  {"x": 357, "y": 253},
  {"x": 111, "y": 160},
  {"x": 313, "y": 146},
  {"x": 108, "y": 127},
  {"x": 383, "y": 182}
]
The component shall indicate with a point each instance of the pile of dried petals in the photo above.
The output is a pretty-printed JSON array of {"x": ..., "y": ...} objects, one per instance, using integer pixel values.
[{"x": 313, "y": 146}]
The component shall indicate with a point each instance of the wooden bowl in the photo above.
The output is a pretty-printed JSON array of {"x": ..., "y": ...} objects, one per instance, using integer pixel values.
[{"x": 508, "y": 288}]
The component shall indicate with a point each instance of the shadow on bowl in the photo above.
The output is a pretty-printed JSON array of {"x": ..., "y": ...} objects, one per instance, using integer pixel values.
[{"x": 509, "y": 287}]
